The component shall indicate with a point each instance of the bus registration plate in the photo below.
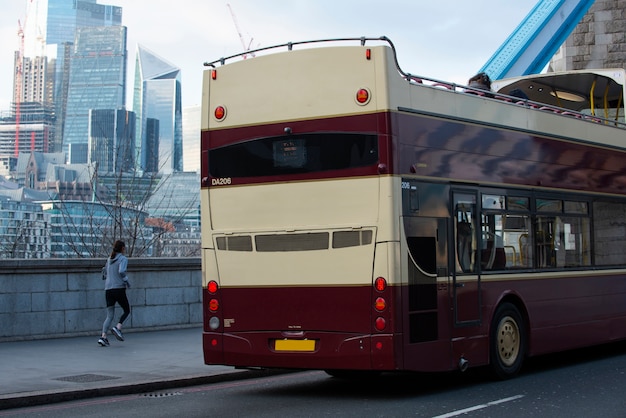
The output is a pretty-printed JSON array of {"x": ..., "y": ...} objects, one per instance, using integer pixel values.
[{"x": 294, "y": 345}]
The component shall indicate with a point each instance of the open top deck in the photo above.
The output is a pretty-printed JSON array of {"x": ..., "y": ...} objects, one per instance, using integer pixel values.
[{"x": 586, "y": 91}]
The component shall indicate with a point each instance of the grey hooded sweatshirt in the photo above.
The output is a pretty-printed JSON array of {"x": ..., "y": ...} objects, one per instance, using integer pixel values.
[{"x": 116, "y": 272}]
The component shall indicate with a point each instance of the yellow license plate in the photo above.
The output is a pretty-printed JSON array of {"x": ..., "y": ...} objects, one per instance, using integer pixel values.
[{"x": 294, "y": 345}]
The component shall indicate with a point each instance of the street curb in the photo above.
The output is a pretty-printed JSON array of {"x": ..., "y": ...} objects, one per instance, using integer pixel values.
[{"x": 21, "y": 400}]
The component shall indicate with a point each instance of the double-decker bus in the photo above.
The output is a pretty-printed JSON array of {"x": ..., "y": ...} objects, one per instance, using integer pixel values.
[{"x": 358, "y": 218}]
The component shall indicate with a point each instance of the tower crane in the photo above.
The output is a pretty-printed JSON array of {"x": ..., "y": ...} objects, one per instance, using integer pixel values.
[
  {"x": 243, "y": 42},
  {"x": 19, "y": 77}
]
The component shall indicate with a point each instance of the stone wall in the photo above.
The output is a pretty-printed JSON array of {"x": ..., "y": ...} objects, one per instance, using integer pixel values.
[
  {"x": 65, "y": 297},
  {"x": 599, "y": 40}
]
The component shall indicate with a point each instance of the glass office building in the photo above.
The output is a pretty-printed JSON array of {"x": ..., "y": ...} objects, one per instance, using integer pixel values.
[
  {"x": 191, "y": 138},
  {"x": 157, "y": 95},
  {"x": 97, "y": 81},
  {"x": 112, "y": 140},
  {"x": 62, "y": 18}
]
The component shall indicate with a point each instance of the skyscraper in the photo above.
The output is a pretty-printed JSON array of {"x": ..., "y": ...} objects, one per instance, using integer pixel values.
[
  {"x": 157, "y": 95},
  {"x": 112, "y": 140},
  {"x": 191, "y": 137},
  {"x": 62, "y": 18},
  {"x": 97, "y": 81}
]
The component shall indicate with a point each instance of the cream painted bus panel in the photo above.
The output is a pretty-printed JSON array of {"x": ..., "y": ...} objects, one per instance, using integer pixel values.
[
  {"x": 332, "y": 267},
  {"x": 276, "y": 90},
  {"x": 345, "y": 202}
]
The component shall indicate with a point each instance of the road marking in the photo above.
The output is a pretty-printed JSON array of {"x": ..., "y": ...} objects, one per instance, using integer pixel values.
[{"x": 477, "y": 407}]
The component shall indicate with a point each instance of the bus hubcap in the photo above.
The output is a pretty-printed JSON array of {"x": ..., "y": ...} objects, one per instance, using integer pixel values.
[{"x": 508, "y": 340}]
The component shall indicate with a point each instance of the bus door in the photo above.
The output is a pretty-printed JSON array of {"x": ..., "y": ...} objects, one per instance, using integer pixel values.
[
  {"x": 465, "y": 271},
  {"x": 425, "y": 259}
]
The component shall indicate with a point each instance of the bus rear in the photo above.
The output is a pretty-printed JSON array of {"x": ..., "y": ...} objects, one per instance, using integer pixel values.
[{"x": 299, "y": 226}]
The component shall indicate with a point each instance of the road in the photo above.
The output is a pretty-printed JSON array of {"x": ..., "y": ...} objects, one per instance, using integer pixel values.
[{"x": 581, "y": 383}]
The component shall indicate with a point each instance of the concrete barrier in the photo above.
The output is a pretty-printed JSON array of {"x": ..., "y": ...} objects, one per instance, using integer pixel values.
[{"x": 65, "y": 297}]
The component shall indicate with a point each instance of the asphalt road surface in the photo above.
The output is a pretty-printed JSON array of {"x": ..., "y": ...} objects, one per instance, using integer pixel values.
[{"x": 581, "y": 383}]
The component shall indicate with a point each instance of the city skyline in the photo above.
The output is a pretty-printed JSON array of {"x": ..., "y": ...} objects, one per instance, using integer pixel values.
[{"x": 450, "y": 44}]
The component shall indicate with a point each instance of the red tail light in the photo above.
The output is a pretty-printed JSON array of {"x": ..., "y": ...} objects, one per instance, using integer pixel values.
[
  {"x": 380, "y": 323},
  {"x": 214, "y": 305},
  {"x": 212, "y": 287},
  {"x": 380, "y": 284},
  {"x": 220, "y": 113},
  {"x": 363, "y": 96},
  {"x": 380, "y": 304}
]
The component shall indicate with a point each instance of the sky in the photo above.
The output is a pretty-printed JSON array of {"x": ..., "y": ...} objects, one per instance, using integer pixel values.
[{"x": 443, "y": 39}]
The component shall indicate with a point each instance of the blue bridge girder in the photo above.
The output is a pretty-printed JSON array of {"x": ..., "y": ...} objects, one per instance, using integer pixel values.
[{"x": 537, "y": 38}]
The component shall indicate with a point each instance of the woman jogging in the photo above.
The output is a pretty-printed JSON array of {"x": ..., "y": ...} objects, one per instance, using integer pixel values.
[{"x": 115, "y": 286}]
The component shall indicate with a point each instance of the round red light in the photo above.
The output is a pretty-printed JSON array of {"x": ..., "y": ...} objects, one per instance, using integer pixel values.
[
  {"x": 362, "y": 96},
  {"x": 220, "y": 112},
  {"x": 379, "y": 345},
  {"x": 212, "y": 286},
  {"x": 380, "y": 323},
  {"x": 213, "y": 342},
  {"x": 380, "y": 304},
  {"x": 380, "y": 284},
  {"x": 213, "y": 305}
]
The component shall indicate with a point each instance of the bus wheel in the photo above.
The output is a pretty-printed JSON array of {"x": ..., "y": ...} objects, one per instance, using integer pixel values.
[{"x": 508, "y": 341}]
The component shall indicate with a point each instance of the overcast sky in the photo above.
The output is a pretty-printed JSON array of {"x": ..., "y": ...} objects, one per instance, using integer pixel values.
[{"x": 443, "y": 39}]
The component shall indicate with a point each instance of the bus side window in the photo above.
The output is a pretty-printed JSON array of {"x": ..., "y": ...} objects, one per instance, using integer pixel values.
[{"x": 465, "y": 243}]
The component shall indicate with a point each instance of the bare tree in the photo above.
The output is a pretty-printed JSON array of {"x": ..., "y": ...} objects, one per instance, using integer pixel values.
[{"x": 125, "y": 203}]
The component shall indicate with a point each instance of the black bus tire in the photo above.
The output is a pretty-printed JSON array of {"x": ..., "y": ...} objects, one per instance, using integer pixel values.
[{"x": 507, "y": 342}]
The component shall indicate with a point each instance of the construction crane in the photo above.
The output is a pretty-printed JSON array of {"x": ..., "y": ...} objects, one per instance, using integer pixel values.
[
  {"x": 537, "y": 38},
  {"x": 243, "y": 42},
  {"x": 19, "y": 79}
]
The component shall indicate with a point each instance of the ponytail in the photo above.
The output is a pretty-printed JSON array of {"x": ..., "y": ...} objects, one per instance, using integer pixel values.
[{"x": 117, "y": 248}]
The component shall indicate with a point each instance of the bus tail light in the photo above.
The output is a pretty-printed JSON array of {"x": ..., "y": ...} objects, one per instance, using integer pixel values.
[
  {"x": 380, "y": 284},
  {"x": 212, "y": 287},
  {"x": 380, "y": 323},
  {"x": 380, "y": 304},
  {"x": 214, "y": 305},
  {"x": 219, "y": 113},
  {"x": 363, "y": 96}
]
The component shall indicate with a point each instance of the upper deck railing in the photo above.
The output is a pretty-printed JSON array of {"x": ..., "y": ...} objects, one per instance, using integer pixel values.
[{"x": 431, "y": 82}]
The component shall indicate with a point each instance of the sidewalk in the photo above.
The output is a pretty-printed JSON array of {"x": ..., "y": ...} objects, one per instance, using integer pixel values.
[{"x": 57, "y": 370}]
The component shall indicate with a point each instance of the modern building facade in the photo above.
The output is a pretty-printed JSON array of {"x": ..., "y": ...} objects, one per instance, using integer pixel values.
[
  {"x": 191, "y": 138},
  {"x": 36, "y": 81},
  {"x": 174, "y": 210},
  {"x": 112, "y": 140},
  {"x": 150, "y": 146},
  {"x": 97, "y": 81},
  {"x": 59, "y": 20},
  {"x": 87, "y": 229},
  {"x": 24, "y": 229},
  {"x": 157, "y": 95},
  {"x": 35, "y": 132}
]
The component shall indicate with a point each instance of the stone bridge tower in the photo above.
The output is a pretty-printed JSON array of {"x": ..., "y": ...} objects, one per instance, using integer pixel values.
[{"x": 599, "y": 40}]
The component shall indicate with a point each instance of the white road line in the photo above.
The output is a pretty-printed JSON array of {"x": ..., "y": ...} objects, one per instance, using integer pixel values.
[{"x": 477, "y": 407}]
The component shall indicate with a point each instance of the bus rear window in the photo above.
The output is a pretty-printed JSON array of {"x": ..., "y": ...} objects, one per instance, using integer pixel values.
[{"x": 294, "y": 154}]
